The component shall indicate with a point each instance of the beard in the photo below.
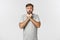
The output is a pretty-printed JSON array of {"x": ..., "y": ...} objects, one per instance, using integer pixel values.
[{"x": 30, "y": 12}]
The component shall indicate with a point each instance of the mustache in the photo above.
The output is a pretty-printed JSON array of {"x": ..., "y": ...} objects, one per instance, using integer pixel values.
[{"x": 29, "y": 12}]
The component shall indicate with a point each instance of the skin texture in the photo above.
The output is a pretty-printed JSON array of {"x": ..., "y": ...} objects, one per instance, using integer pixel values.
[{"x": 23, "y": 24}]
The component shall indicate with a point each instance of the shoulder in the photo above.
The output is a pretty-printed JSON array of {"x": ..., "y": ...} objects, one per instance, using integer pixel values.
[
  {"x": 35, "y": 15},
  {"x": 23, "y": 15}
]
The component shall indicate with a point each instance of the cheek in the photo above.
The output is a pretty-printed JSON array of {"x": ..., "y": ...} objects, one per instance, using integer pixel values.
[
  {"x": 27, "y": 9},
  {"x": 31, "y": 9}
]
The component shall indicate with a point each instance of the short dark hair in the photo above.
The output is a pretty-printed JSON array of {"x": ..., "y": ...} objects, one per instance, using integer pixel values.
[{"x": 29, "y": 4}]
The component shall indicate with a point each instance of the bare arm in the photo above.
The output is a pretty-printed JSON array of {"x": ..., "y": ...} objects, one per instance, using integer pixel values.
[
  {"x": 37, "y": 24},
  {"x": 24, "y": 23}
]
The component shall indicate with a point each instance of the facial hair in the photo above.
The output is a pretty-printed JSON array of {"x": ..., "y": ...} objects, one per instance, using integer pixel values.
[{"x": 30, "y": 12}]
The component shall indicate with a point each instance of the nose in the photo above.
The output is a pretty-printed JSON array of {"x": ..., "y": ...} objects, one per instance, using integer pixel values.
[{"x": 29, "y": 10}]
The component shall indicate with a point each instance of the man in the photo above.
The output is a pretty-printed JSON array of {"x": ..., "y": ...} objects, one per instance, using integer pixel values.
[{"x": 29, "y": 22}]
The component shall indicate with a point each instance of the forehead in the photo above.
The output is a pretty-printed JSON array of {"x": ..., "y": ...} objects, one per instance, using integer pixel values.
[{"x": 29, "y": 7}]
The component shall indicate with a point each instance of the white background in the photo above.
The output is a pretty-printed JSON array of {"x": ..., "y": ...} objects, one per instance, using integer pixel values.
[{"x": 48, "y": 11}]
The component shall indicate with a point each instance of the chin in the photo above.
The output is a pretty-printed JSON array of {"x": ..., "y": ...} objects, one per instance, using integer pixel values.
[{"x": 29, "y": 12}]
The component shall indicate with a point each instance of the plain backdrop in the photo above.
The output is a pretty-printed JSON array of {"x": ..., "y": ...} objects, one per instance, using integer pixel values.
[{"x": 48, "y": 11}]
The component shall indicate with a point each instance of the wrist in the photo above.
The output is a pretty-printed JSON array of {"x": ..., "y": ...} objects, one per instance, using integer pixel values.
[{"x": 30, "y": 18}]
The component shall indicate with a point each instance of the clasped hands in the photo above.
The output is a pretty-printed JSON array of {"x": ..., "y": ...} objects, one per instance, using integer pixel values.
[{"x": 29, "y": 16}]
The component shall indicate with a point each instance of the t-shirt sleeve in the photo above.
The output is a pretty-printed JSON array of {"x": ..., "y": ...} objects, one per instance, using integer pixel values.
[
  {"x": 37, "y": 18},
  {"x": 21, "y": 18}
]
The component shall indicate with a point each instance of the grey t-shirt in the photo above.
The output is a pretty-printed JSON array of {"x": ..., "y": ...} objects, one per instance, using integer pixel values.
[{"x": 30, "y": 31}]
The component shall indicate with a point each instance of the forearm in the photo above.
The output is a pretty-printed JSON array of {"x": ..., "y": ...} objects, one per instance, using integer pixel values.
[
  {"x": 37, "y": 24},
  {"x": 24, "y": 23}
]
